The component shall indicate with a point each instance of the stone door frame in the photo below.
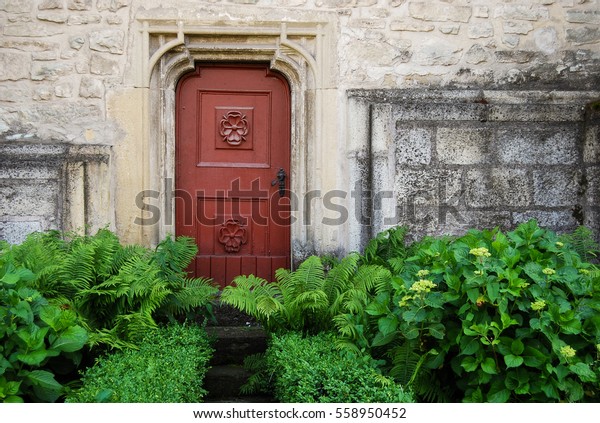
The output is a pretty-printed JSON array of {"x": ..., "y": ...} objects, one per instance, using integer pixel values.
[{"x": 300, "y": 51}]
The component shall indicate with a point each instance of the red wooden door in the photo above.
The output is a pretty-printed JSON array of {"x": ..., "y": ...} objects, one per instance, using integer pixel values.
[{"x": 232, "y": 167}]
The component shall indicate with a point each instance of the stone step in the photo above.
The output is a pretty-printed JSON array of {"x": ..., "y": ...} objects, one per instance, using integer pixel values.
[
  {"x": 234, "y": 343},
  {"x": 226, "y": 376}
]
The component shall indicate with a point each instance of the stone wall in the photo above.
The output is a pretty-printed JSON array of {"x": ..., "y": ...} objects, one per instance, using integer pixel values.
[
  {"x": 77, "y": 74},
  {"x": 53, "y": 186},
  {"x": 447, "y": 161}
]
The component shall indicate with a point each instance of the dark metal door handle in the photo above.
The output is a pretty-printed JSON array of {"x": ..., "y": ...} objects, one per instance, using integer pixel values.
[{"x": 281, "y": 175}]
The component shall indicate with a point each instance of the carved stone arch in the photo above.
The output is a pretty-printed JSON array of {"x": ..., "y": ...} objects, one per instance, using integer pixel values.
[{"x": 295, "y": 52}]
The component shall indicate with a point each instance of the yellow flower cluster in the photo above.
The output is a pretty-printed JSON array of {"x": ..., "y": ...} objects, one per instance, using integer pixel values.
[
  {"x": 404, "y": 301},
  {"x": 559, "y": 244},
  {"x": 480, "y": 252},
  {"x": 422, "y": 273},
  {"x": 548, "y": 271},
  {"x": 538, "y": 305},
  {"x": 422, "y": 285},
  {"x": 478, "y": 272},
  {"x": 567, "y": 351}
]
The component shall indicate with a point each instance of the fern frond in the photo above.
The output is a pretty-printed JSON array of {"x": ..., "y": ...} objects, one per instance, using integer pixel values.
[
  {"x": 246, "y": 293},
  {"x": 354, "y": 300},
  {"x": 315, "y": 301},
  {"x": 174, "y": 256},
  {"x": 133, "y": 327},
  {"x": 339, "y": 279},
  {"x": 344, "y": 344},
  {"x": 405, "y": 363},
  {"x": 583, "y": 242},
  {"x": 189, "y": 294},
  {"x": 373, "y": 278},
  {"x": 126, "y": 255}
]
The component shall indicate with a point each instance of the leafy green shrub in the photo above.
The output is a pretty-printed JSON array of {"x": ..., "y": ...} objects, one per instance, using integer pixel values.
[
  {"x": 308, "y": 298},
  {"x": 37, "y": 340},
  {"x": 119, "y": 291},
  {"x": 169, "y": 366},
  {"x": 493, "y": 317},
  {"x": 311, "y": 369}
]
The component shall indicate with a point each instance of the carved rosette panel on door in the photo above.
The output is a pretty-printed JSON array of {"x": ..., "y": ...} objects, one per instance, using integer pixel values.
[{"x": 232, "y": 140}]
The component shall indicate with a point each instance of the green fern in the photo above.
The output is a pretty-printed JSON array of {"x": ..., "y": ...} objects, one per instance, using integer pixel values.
[
  {"x": 583, "y": 242},
  {"x": 260, "y": 378},
  {"x": 116, "y": 290}
]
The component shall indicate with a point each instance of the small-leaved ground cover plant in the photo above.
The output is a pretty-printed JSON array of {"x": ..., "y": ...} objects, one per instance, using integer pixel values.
[
  {"x": 168, "y": 367},
  {"x": 311, "y": 369}
]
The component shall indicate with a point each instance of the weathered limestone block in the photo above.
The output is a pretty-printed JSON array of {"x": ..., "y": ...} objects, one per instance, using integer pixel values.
[
  {"x": 517, "y": 56},
  {"x": 535, "y": 113},
  {"x": 367, "y": 23},
  {"x": 585, "y": 35},
  {"x": 334, "y": 4},
  {"x": 57, "y": 17},
  {"x": 498, "y": 187},
  {"x": 477, "y": 54},
  {"x": 481, "y": 11},
  {"x": 511, "y": 40},
  {"x": 437, "y": 52},
  {"x": 15, "y": 231},
  {"x": 84, "y": 19},
  {"x": 100, "y": 65},
  {"x": 110, "y": 40},
  {"x": 27, "y": 44},
  {"x": 464, "y": 145},
  {"x": 112, "y": 5},
  {"x": 558, "y": 220},
  {"x": 14, "y": 65},
  {"x": 583, "y": 16},
  {"x": 517, "y": 27},
  {"x": 556, "y": 187},
  {"x": 425, "y": 111},
  {"x": 546, "y": 40},
  {"x": 436, "y": 12},
  {"x": 379, "y": 54},
  {"x": 63, "y": 90},
  {"x": 449, "y": 29},
  {"x": 431, "y": 187},
  {"x": 44, "y": 55},
  {"x": 30, "y": 169},
  {"x": 91, "y": 87},
  {"x": 76, "y": 42},
  {"x": 42, "y": 93},
  {"x": 16, "y": 6},
  {"x": 114, "y": 20},
  {"x": 592, "y": 191},
  {"x": 521, "y": 12},
  {"x": 413, "y": 145},
  {"x": 15, "y": 92},
  {"x": 411, "y": 26},
  {"x": 51, "y": 4},
  {"x": 50, "y": 71},
  {"x": 481, "y": 30},
  {"x": 539, "y": 145},
  {"x": 79, "y": 4},
  {"x": 591, "y": 146},
  {"x": 396, "y": 3},
  {"x": 22, "y": 198}
]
